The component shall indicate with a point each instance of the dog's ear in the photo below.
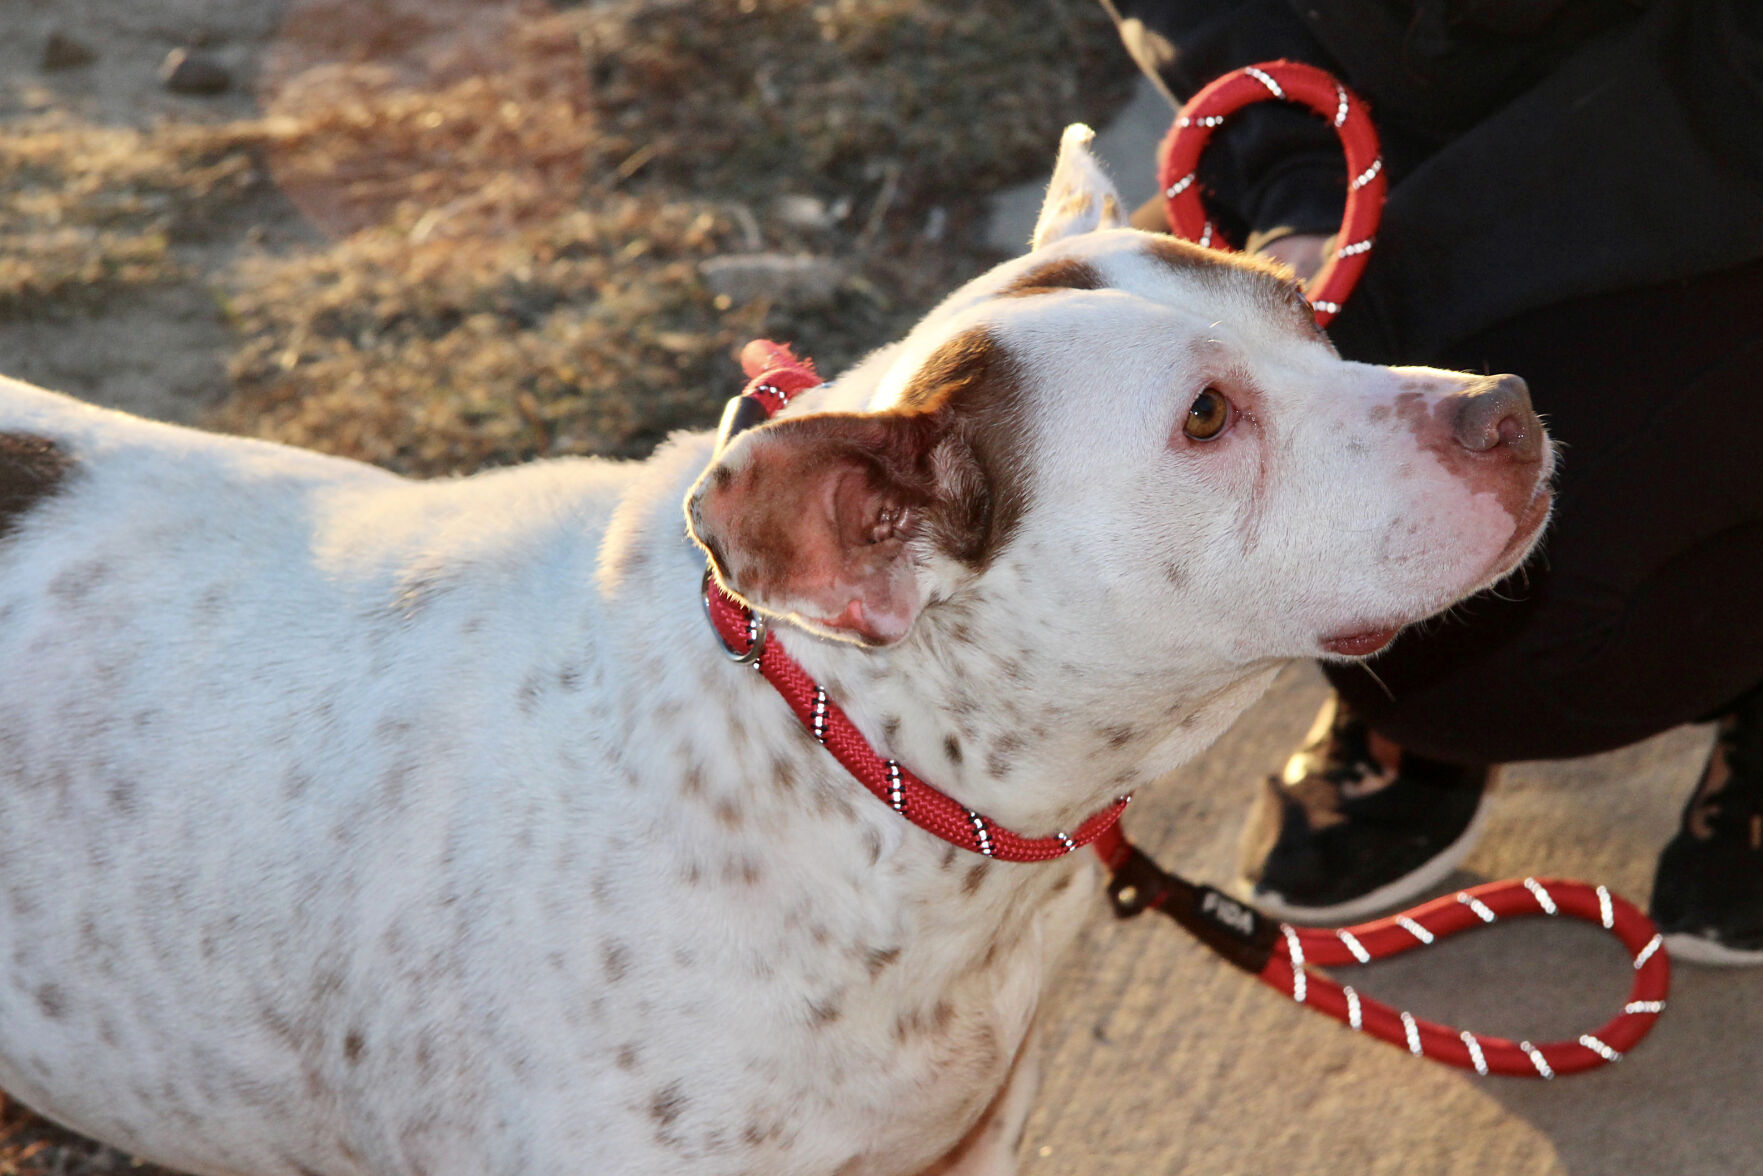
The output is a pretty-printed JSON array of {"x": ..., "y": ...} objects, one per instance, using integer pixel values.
[
  {"x": 1080, "y": 197},
  {"x": 812, "y": 516}
]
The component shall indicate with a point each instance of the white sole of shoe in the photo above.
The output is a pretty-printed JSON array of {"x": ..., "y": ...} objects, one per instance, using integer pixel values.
[
  {"x": 1694, "y": 949},
  {"x": 1392, "y": 893}
]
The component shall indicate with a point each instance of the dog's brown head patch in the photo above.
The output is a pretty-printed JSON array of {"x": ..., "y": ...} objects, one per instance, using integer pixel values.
[
  {"x": 1270, "y": 282},
  {"x": 974, "y": 382},
  {"x": 1068, "y": 273}
]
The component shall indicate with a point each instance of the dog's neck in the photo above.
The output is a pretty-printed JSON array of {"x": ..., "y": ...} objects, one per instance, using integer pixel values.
[
  {"x": 1012, "y": 720},
  {"x": 1018, "y": 722}
]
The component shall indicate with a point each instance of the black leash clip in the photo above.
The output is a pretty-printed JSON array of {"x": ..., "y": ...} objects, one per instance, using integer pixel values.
[{"x": 1236, "y": 931}]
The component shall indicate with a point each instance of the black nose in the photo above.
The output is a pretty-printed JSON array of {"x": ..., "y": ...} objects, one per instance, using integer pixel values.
[{"x": 1494, "y": 413}]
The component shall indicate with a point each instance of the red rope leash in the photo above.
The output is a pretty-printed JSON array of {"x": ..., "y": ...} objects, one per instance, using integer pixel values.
[
  {"x": 777, "y": 376},
  {"x": 1282, "y": 954},
  {"x": 1307, "y": 86}
]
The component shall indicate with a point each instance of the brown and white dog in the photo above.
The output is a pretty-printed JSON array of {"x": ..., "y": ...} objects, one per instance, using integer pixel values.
[{"x": 352, "y": 825}]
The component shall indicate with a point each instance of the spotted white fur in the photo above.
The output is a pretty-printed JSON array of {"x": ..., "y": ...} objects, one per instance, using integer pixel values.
[{"x": 355, "y": 825}]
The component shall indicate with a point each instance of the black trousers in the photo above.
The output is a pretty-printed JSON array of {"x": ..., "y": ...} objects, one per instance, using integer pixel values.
[{"x": 1644, "y": 607}]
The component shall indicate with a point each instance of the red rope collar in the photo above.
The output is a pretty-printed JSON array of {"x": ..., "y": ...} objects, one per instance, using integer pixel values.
[{"x": 776, "y": 377}]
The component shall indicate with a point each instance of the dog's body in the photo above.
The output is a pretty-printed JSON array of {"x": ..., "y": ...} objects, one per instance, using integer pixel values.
[{"x": 353, "y": 825}]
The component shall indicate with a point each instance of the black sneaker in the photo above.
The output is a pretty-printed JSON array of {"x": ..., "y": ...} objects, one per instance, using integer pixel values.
[
  {"x": 1708, "y": 891},
  {"x": 1343, "y": 834}
]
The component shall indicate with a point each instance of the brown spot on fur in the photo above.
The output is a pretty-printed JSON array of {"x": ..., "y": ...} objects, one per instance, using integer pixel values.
[
  {"x": 1065, "y": 274},
  {"x": 975, "y": 878},
  {"x": 783, "y": 774},
  {"x": 824, "y": 1012},
  {"x": 1271, "y": 283},
  {"x": 1002, "y": 756},
  {"x": 952, "y": 748},
  {"x": 666, "y": 1104},
  {"x": 743, "y": 869},
  {"x": 121, "y": 796},
  {"x": 51, "y": 1001},
  {"x": 877, "y": 960},
  {"x": 1120, "y": 736},
  {"x": 354, "y": 1045},
  {"x": 627, "y": 1056},
  {"x": 76, "y": 583},
  {"x": 1505, "y": 471},
  {"x": 616, "y": 959},
  {"x": 31, "y": 469}
]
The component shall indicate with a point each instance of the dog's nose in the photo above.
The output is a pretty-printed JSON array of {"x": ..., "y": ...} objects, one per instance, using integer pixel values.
[{"x": 1494, "y": 413}]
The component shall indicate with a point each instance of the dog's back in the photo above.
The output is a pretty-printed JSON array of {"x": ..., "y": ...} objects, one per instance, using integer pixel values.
[
  {"x": 306, "y": 767},
  {"x": 259, "y": 704}
]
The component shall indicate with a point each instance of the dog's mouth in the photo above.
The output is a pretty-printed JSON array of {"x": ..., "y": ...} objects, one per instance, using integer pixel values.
[
  {"x": 1367, "y": 641},
  {"x": 1362, "y": 643}
]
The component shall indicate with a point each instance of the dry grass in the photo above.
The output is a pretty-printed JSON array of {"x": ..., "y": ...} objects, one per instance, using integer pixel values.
[
  {"x": 469, "y": 232},
  {"x": 512, "y": 203}
]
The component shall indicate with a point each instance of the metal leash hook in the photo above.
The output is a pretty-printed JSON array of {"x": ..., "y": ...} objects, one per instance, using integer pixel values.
[{"x": 1281, "y": 954}]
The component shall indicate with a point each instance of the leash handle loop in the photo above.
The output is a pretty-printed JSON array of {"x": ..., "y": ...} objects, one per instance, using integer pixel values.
[
  {"x": 1307, "y": 86},
  {"x": 1299, "y": 947},
  {"x": 1282, "y": 956}
]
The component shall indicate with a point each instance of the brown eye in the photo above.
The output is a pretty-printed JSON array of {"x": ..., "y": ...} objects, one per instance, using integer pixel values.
[{"x": 1207, "y": 415}]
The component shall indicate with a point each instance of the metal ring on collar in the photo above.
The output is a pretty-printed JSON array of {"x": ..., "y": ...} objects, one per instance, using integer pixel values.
[{"x": 755, "y": 622}]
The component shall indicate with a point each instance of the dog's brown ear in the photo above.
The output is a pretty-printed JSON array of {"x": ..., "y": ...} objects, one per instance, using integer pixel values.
[
  {"x": 813, "y": 515},
  {"x": 1080, "y": 197}
]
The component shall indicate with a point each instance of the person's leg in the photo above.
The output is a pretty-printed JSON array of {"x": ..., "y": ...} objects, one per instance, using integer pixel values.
[{"x": 1640, "y": 613}]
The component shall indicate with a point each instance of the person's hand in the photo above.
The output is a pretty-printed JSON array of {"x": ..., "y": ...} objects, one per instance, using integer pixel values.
[{"x": 1304, "y": 252}]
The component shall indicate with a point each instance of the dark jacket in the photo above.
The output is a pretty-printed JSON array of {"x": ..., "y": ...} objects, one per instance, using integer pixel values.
[{"x": 1537, "y": 150}]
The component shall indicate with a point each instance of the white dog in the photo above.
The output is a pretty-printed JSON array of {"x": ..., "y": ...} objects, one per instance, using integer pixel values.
[{"x": 351, "y": 825}]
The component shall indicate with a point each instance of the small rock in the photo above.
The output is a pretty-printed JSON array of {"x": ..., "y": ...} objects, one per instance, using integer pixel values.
[
  {"x": 61, "y": 51},
  {"x": 188, "y": 72},
  {"x": 809, "y": 212},
  {"x": 800, "y": 280}
]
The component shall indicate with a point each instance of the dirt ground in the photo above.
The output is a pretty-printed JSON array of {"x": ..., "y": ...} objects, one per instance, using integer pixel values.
[{"x": 452, "y": 233}]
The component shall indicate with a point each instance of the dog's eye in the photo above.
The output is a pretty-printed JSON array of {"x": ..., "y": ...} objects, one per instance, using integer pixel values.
[{"x": 1207, "y": 415}]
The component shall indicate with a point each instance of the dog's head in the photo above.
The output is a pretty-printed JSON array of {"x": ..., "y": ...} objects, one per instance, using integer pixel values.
[{"x": 1150, "y": 436}]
